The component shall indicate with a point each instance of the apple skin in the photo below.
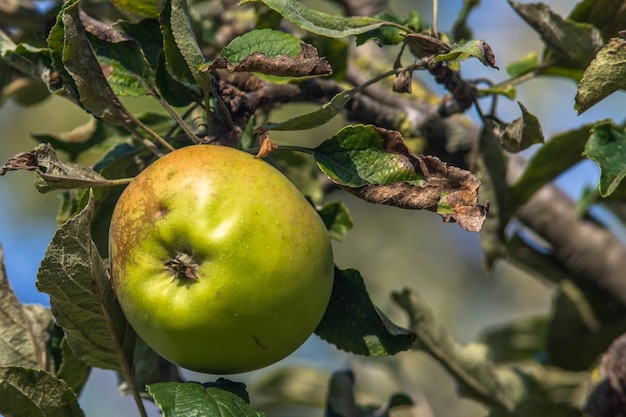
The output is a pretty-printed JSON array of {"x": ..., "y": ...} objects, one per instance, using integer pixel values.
[{"x": 218, "y": 261}]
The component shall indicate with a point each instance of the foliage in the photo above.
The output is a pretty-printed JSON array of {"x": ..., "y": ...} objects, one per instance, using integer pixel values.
[{"x": 229, "y": 66}]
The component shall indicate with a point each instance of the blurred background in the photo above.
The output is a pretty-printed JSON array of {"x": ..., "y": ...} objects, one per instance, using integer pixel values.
[{"x": 392, "y": 248}]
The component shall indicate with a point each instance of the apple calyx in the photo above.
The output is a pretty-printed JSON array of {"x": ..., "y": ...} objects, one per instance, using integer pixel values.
[{"x": 183, "y": 267}]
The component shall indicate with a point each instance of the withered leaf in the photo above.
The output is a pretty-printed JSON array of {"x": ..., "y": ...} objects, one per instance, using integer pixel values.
[
  {"x": 306, "y": 63},
  {"x": 375, "y": 165},
  {"x": 52, "y": 174}
]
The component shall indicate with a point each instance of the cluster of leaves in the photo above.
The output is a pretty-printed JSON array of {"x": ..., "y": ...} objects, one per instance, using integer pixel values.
[{"x": 167, "y": 54}]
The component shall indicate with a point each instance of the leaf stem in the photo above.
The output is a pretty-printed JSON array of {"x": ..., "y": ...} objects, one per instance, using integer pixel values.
[
  {"x": 179, "y": 120},
  {"x": 153, "y": 134},
  {"x": 294, "y": 148}
]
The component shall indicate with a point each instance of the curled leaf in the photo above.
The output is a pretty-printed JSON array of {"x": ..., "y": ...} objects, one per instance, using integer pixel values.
[
  {"x": 52, "y": 174},
  {"x": 605, "y": 75},
  {"x": 271, "y": 52},
  {"x": 476, "y": 48},
  {"x": 375, "y": 165}
]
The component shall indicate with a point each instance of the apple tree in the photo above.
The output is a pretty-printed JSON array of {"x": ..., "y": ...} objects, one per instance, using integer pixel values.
[{"x": 218, "y": 71}]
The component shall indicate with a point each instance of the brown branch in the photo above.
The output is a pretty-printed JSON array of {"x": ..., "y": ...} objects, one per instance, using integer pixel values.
[{"x": 588, "y": 251}]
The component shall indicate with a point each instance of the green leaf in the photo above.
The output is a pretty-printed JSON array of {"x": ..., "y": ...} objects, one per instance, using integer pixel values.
[
  {"x": 175, "y": 92},
  {"x": 337, "y": 219},
  {"x": 460, "y": 30},
  {"x": 147, "y": 34},
  {"x": 269, "y": 42},
  {"x": 607, "y": 147},
  {"x": 72, "y": 370},
  {"x": 302, "y": 171},
  {"x": 31, "y": 392},
  {"x": 61, "y": 81},
  {"x": 581, "y": 326},
  {"x": 142, "y": 7},
  {"x": 383, "y": 35},
  {"x": 28, "y": 59},
  {"x": 24, "y": 329},
  {"x": 320, "y": 23},
  {"x": 221, "y": 398},
  {"x": 354, "y": 324},
  {"x": 356, "y": 156},
  {"x": 296, "y": 384},
  {"x": 317, "y": 117},
  {"x": 81, "y": 297},
  {"x": 94, "y": 92},
  {"x": 521, "y": 340},
  {"x": 604, "y": 75},
  {"x": 475, "y": 48},
  {"x": 81, "y": 138},
  {"x": 376, "y": 165},
  {"x": 491, "y": 170},
  {"x": 523, "y": 66},
  {"x": 523, "y": 132},
  {"x": 185, "y": 39},
  {"x": 572, "y": 43},
  {"x": 607, "y": 15},
  {"x": 175, "y": 63},
  {"x": 149, "y": 368},
  {"x": 559, "y": 153},
  {"x": 126, "y": 68},
  {"x": 271, "y": 52}
]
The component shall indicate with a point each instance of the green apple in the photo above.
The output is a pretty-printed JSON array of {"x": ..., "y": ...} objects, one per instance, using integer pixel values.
[{"x": 218, "y": 261}]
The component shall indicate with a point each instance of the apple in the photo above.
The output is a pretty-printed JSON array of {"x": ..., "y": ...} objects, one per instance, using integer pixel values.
[{"x": 218, "y": 261}]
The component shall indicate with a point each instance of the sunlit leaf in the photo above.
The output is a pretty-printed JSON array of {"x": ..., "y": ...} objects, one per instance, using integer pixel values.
[
  {"x": 475, "y": 48},
  {"x": 318, "y": 22},
  {"x": 523, "y": 66},
  {"x": 376, "y": 166},
  {"x": 220, "y": 398},
  {"x": 604, "y": 75},
  {"x": 31, "y": 392},
  {"x": 271, "y": 52}
]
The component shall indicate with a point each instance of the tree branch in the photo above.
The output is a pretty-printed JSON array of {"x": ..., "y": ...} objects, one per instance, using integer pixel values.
[{"x": 588, "y": 251}]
